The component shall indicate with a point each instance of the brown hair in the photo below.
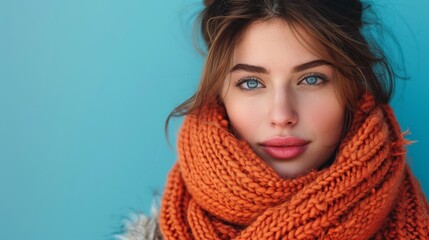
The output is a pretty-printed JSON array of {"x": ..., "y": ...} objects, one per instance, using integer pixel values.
[{"x": 360, "y": 63}]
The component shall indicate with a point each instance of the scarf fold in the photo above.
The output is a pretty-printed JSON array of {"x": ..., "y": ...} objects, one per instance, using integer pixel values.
[{"x": 220, "y": 189}]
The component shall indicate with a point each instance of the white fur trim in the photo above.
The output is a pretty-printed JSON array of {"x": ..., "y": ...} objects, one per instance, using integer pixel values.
[{"x": 141, "y": 227}]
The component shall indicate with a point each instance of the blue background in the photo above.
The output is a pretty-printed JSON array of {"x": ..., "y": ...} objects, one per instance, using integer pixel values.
[{"x": 85, "y": 87}]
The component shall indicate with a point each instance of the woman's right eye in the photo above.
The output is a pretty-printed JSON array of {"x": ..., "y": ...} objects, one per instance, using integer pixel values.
[{"x": 249, "y": 84}]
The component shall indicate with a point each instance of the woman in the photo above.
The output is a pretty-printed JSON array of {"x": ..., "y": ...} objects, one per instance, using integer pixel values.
[{"x": 289, "y": 135}]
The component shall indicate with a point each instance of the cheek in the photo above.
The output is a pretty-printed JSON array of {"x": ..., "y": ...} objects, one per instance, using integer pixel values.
[
  {"x": 245, "y": 117},
  {"x": 328, "y": 120}
]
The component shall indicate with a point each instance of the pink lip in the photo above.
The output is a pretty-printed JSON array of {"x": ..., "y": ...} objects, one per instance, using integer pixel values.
[{"x": 285, "y": 147}]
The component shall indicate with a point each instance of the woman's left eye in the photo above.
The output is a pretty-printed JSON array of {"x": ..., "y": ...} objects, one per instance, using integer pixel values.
[{"x": 314, "y": 79}]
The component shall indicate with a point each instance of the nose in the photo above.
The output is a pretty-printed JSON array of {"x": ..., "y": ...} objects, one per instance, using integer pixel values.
[{"x": 283, "y": 111}]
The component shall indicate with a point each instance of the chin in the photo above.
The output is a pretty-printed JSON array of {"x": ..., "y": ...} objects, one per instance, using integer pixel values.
[
  {"x": 291, "y": 175},
  {"x": 288, "y": 171}
]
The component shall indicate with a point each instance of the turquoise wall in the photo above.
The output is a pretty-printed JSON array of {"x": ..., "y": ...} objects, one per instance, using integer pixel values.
[{"x": 85, "y": 87}]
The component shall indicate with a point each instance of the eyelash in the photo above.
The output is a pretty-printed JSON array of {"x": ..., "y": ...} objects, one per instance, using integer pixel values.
[{"x": 319, "y": 76}]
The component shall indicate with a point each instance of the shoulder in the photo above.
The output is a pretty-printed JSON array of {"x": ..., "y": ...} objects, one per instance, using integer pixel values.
[{"x": 141, "y": 227}]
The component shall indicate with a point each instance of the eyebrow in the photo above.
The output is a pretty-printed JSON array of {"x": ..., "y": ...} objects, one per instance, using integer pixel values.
[{"x": 259, "y": 69}]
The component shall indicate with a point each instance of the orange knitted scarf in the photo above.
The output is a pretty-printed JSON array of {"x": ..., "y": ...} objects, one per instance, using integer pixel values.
[{"x": 220, "y": 189}]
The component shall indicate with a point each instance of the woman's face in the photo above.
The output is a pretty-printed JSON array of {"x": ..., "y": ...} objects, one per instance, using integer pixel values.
[{"x": 280, "y": 98}]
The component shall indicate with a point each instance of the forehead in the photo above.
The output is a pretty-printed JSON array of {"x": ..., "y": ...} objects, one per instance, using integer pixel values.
[{"x": 277, "y": 39}]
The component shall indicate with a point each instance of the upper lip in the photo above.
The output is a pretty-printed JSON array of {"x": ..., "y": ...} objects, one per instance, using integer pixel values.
[{"x": 284, "y": 142}]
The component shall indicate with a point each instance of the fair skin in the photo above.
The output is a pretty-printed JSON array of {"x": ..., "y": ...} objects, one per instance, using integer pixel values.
[{"x": 280, "y": 98}]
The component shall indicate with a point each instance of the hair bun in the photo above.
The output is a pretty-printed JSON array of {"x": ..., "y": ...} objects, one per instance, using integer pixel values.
[{"x": 208, "y": 2}]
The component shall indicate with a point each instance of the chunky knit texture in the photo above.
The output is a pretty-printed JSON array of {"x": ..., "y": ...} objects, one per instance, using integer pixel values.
[{"x": 220, "y": 189}]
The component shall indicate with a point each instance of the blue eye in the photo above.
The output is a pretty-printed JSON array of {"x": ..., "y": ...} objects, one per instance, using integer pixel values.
[
  {"x": 314, "y": 79},
  {"x": 311, "y": 80},
  {"x": 249, "y": 84}
]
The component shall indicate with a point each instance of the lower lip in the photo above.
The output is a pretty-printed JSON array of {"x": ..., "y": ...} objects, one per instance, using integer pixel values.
[{"x": 285, "y": 152}]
